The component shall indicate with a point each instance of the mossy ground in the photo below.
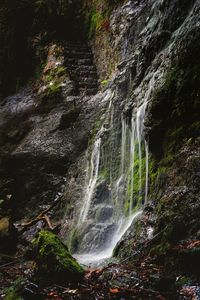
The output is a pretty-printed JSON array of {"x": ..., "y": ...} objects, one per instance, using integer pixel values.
[{"x": 13, "y": 292}]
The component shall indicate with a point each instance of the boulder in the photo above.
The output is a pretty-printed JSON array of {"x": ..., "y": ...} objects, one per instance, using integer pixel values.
[
  {"x": 8, "y": 236},
  {"x": 53, "y": 260}
]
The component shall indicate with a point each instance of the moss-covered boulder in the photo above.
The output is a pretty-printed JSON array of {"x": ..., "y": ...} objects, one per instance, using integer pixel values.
[
  {"x": 53, "y": 260},
  {"x": 8, "y": 236}
]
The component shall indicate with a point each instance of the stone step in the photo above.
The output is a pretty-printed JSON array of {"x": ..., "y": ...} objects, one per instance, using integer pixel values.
[
  {"x": 78, "y": 55},
  {"x": 87, "y": 68},
  {"x": 90, "y": 81},
  {"x": 87, "y": 85},
  {"x": 76, "y": 71},
  {"x": 70, "y": 61},
  {"x": 71, "y": 67},
  {"x": 78, "y": 51},
  {"x": 73, "y": 63},
  {"x": 79, "y": 63},
  {"x": 77, "y": 46},
  {"x": 87, "y": 91},
  {"x": 85, "y": 62},
  {"x": 88, "y": 73},
  {"x": 87, "y": 79}
]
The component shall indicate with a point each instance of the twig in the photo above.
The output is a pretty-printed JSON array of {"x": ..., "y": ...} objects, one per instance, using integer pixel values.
[
  {"x": 7, "y": 264},
  {"x": 41, "y": 217},
  {"x": 48, "y": 222},
  {"x": 12, "y": 263}
]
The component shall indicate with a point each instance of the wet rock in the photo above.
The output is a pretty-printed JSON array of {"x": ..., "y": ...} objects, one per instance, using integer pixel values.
[
  {"x": 39, "y": 145},
  {"x": 54, "y": 261},
  {"x": 102, "y": 192},
  {"x": 69, "y": 118},
  {"x": 176, "y": 13},
  {"x": 104, "y": 214},
  {"x": 97, "y": 236},
  {"x": 160, "y": 283},
  {"x": 32, "y": 291}
]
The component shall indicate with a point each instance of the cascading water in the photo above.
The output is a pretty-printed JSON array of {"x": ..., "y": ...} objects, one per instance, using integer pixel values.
[
  {"x": 117, "y": 186},
  {"x": 94, "y": 171}
]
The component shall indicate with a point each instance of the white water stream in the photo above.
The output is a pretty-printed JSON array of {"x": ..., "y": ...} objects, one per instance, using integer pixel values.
[
  {"x": 98, "y": 257},
  {"x": 94, "y": 171},
  {"x": 113, "y": 202}
]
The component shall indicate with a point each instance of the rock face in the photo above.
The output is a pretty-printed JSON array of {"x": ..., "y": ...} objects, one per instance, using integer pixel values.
[
  {"x": 48, "y": 129},
  {"x": 54, "y": 260},
  {"x": 161, "y": 39},
  {"x": 43, "y": 130}
]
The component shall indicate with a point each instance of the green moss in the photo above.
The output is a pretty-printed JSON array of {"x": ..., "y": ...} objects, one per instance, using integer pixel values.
[
  {"x": 53, "y": 259},
  {"x": 103, "y": 174},
  {"x": 13, "y": 292},
  {"x": 174, "y": 123},
  {"x": 139, "y": 181},
  {"x": 138, "y": 227},
  {"x": 105, "y": 82},
  {"x": 182, "y": 281},
  {"x": 178, "y": 98},
  {"x": 95, "y": 22},
  {"x": 97, "y": 16},
  {"x": 60, "y": 71},
  {"x": 54, "y": 89},
  {"x": 54, "y": 79},
  {"x": 123, "y": 249},
  {"x": 164, "y": 243}
]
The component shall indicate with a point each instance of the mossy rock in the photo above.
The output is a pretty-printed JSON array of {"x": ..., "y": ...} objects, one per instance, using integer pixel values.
[
  {"x": 8, "y": 236},
  {"x": 53, "y": 260},
  {"x": 4, "y": 227}
]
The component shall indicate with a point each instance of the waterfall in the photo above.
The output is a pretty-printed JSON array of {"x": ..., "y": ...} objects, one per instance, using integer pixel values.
[
  {"x": 117, "y": 185},
  {"x": 123, "y": 144},
  {"x": 94, "y": 171},
  {"x": 132, "y": 159}
]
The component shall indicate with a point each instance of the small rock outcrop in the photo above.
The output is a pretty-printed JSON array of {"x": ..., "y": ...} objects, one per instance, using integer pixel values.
[{"x": 54, "y": 261}]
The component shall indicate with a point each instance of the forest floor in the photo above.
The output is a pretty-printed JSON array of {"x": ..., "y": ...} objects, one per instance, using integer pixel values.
[{"x": 139, "y": 279}]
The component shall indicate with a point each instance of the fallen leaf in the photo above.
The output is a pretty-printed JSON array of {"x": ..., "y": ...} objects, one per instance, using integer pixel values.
[{"x": 114, "y": 291}]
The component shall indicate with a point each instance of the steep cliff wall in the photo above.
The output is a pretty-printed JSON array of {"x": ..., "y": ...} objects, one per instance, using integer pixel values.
[{"x": 155, "y": 67}]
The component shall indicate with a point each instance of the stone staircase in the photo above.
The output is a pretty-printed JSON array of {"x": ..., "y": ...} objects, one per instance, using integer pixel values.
[{"x": 82, "y": 71}]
